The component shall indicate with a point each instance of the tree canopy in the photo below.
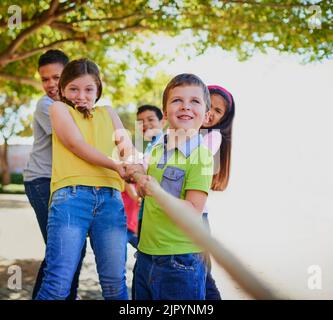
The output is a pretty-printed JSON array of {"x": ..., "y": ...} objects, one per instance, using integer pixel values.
[
  {"x": 115, "y": 33},
  {"x": 112, "y": 32}
]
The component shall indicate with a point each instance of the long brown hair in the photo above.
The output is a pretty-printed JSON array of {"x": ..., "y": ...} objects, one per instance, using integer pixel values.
[
  {"x": 223, "y": 156},
  {"x": 74, "y": 70}
]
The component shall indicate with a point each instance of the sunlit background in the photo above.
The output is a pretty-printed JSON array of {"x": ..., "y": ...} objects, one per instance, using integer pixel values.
[{"x": 277, "y": 213}]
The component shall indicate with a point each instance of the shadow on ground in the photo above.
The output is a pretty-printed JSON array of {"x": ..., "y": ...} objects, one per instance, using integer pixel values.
[
  {"x": 10, "y": 278},
  {"x": 11, "y": 271},
  {"x": 13, "y": 204}
]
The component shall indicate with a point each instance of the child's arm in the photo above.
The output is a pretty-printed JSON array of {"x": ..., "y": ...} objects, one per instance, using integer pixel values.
[
  {"x": 195, "y": 199},
  {"x": 131, "y": 191},
  {"x": 71, "y": 137},
  {"x": 124, "y": 144},
  {"x": 182, "y": 215}
]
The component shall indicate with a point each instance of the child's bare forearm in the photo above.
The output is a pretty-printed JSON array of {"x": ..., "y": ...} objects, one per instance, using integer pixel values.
[
  {"x": 88, "y": 153},
  {"x": 130, "y": 189},
  {"x": 158, "y": 191}
]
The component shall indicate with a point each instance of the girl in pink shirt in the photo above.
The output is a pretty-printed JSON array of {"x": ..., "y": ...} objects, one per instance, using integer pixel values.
[{"x": 218, "y": 140}]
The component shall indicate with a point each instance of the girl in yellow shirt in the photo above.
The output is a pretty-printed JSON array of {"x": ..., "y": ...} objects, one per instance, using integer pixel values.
[{"x": 85, "y": 186}]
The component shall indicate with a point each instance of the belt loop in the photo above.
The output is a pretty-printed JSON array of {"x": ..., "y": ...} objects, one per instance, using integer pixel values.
[
  {"x": 74, "y": 189},
  {"x": 112, "y": 192}
]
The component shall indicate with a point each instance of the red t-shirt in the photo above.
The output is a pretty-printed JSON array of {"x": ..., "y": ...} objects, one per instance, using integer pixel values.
[{"x": 132, "y": 211}]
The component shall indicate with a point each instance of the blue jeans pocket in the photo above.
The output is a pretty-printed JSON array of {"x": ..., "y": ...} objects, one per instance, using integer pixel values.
[
  {"x": 186, "y": 262},
  {"x": 172, "y": 181},
  {"x": 59, "y": 196},
  {"x": 116, "y": 194},
  {"x": 162, "y": 260}
]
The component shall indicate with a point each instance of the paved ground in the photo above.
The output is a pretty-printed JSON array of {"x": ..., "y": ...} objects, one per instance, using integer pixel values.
[
  {"x": 290, "y": 250},
  {"x": 21, "y": 245}
]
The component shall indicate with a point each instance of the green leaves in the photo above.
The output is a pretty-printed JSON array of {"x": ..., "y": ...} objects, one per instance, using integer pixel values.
[
  {"x": 115, "y": 33},
  {"x": 15, "y": 118}
]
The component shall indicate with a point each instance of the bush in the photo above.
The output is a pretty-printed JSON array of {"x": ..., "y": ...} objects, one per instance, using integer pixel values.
[{"x": 15, "y": 178}]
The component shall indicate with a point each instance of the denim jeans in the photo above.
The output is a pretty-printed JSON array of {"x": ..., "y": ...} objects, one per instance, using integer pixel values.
[
  {"x": 75, "y": 212},
  {"x": 38, "y": 193},
  {"x": 132, "y": 238},
  {"x": 170, "y": 277}
]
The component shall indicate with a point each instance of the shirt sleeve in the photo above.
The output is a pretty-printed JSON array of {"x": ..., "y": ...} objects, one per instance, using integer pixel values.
[
  {"x": 42, "y": 115},
  {"x": 200, "y": 172}
]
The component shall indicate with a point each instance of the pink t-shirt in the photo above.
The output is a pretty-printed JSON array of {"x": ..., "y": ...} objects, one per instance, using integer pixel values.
[
  {"x": 132, "y": 210},
  {"x": 212, "y": 141}
]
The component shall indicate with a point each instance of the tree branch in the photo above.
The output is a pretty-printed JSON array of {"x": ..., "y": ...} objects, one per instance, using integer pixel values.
[
  {"x": 21, "y": 80},
  {"x": 24, "y": 55},
  {"x": 63, "y": 27},
  {"x": 135, "y": 27},
  {"x": 134, "y": 14},
  {"x": 268, "y": 4},
  {"x": 46, "y": 18},
  {"x": 61, "y": 10}
]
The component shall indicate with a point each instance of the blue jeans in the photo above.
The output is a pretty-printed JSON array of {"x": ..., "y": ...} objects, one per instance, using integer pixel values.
[
  {"x": 75, "y": 212},
  {"x": 169, "y": 277},
  {"x": 132, "y": 238},
  {"x": 38, "y": 193}
]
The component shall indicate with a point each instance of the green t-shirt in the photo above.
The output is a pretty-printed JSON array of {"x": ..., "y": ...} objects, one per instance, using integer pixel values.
[{"x": 189, "y": 167}]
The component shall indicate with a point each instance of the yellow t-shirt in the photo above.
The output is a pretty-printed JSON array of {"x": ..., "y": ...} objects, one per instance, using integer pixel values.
[{"x": 69, "y": 170}]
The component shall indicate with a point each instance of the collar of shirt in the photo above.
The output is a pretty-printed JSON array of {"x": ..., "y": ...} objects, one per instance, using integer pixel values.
[
  {"x": 154, "y": 141},
  {"x": 185, "y": 148}
]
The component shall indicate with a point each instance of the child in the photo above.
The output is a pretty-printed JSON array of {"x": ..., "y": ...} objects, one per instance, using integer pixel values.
[
  {"x": 132, "y": 206},
  {"x": 37, "y": 174},
  {"x": 151, "y": 125},
  {"x": 169, "y": 265},
  {"x": 219, "y": 125},
  {"x": 85, "y": 186},
  {"x": 220, "y": 119}
]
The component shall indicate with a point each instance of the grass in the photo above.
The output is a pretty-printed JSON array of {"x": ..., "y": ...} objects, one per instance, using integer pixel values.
[{"x": 12, "y": 188}]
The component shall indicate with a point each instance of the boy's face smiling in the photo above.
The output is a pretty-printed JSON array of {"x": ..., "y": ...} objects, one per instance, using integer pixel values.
[
  {"x": 50, "y": 75},
  {"x": 149, "y": 124},
  {"x": 185, "y": 107}
]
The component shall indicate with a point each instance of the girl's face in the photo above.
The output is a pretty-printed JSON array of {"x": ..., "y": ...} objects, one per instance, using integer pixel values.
[
  {"x": 185, "y": 107},
  {"x": 217, "y": 110},
  {"x": 82, "y": 91}
]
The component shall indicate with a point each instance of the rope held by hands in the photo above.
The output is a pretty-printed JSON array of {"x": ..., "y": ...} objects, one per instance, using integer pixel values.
[{"x": 189, "y": 221}]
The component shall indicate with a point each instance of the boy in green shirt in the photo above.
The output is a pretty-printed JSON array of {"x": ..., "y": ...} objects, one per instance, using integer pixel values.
[{"x": 169, "y": 265}]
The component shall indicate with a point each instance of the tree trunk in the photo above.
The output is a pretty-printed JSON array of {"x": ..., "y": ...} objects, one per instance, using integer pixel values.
[{"x": 4, "y": 164}]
